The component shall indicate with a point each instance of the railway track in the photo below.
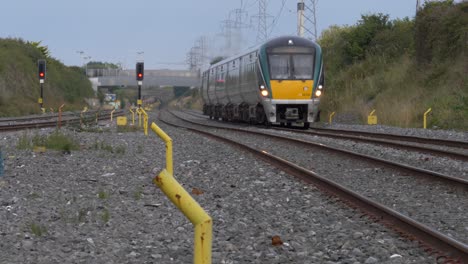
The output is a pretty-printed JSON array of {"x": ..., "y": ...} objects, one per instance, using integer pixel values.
[
  {"x": 456, "y": 151},
  {"x": 45, "y": 121},
  {"x": 430, "y": 237}
]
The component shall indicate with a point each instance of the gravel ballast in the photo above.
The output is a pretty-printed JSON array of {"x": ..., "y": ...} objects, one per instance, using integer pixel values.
[
  {"x": 98, "y": 206},
  {"x": 433, "y": 203}
]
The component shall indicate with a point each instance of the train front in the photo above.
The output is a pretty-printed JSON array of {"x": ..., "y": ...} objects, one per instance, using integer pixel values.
[{"x": 293, "y": 80}]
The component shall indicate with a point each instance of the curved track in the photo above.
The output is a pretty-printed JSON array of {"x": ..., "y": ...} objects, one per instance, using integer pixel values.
[
  {"x": 451, "y": 149},
  {"x": 429, "y": 237}
]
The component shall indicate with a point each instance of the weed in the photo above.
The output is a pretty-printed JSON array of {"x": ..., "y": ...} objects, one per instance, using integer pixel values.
[
  {"x": 138, "y": 193},
  {"x": 38, "y": 230},
  {"x": 82, "y": 215},
  {"x": 59, "y": 141},
  {"x": 34, "y": 195},
  {"x": 139, "y": 149},
  {"x": 105, "y": 215},
  {"x": 56, "y": 140},
  {"x": 39, "y": 140},
  {"x": 103, "y": 195},
  {"x": 123, "y": 129},
  {"x": 24, "y": 142},
  {"x": 120, "y": 150}
]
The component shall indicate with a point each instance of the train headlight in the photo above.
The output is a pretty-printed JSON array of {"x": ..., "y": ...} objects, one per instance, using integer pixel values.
[
  {"x": 318, "y": 93},
  {"x": 262, "y": 87},
  {"x": 320, "y": 87},
  {"x": 264, "y": 93}
]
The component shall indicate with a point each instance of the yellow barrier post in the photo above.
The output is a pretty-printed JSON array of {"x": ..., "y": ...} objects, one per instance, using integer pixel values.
[
  {"x": 330, "y": 118},
  {"x": 60, "y": 116},
  {"x": 133, "y": 116},
  {"x": 189, "y": 207},
  {"x": 139, "y": 115},
  {"x": 145, "y": 121},
  {"x": 81, "y": 115},
  {"x": 425, "y": 116},
  {"x": 372, "y": 119},
  {"x": 112, "y": 114}
]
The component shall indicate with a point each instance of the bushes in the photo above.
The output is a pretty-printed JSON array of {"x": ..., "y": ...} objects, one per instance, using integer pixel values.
[
  {"x": 401, "y": 67},
  {"x": 19, "y": 86},
  {"x": 440, "y": 31}
]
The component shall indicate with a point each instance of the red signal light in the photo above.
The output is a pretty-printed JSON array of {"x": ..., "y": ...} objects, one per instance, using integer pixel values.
[
  {"x": 41, "y": 69},
  {"x": 139, "y": 71}
]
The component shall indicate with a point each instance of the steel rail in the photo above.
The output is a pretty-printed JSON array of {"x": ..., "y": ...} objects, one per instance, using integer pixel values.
[
  {"x": 421, "y": 140},
  {"x": 39, "y": 117},
  {"x": 14, "y": 127},
  {"x": 431, "y": 239},
  {"x": 434, "y": 151},
  {"x": 419, "y": 171}
]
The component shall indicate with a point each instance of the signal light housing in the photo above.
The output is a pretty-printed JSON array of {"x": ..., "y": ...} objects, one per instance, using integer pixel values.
[
  {"x": 41, "y": 64},
  {"x": 140, "y": 71}
]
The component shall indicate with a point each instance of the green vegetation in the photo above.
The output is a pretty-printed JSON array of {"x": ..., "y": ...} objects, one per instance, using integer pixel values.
[
  {"x": 128, "y": 128},
  {"x": 138, "y": 193},
  {"x": 101, "y": 145},
  {"x": 180, "y": 90},
  {"x": 38, "y": 230},
  {"x": 105, "y": 215},
  {"x": 191, "y": 99},
  {"x": 401, "y": 67},
  {"x": 55, "y": 141},
  {"x": 102, "y": 65},
  {"x": 103, "y": 195},
  {"x": 19, "y": 86}
]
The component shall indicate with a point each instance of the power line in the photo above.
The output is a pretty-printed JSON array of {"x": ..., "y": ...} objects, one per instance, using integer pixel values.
[{"x": 275, "y": 20}]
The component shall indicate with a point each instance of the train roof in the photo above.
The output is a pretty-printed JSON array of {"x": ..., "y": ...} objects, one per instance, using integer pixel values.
[{"x": 274, "y": 42}]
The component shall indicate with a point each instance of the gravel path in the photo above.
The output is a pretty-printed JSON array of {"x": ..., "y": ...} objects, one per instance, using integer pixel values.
[
  {"x": 429, "y": 202},
  {"x": 98, "y": 206}
]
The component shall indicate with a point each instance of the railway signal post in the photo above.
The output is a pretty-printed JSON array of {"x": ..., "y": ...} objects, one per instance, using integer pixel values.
[
  {"x": 140, "y": 71},
  {"x": 42, "y": 76}
]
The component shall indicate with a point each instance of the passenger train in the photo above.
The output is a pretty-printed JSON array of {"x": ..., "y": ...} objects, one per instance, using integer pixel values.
[{"x": 279, "y": 81}]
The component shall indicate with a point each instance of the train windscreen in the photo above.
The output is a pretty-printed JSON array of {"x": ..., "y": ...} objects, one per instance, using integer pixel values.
[{"x": 288, "y": 63}]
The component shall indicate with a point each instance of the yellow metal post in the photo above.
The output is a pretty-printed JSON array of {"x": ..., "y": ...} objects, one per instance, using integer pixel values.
[
  {"x": 425, "y": 116},
  {"x": 189, "y": 207},
  {"x": 145, "y": 121},
  {"x": 84, "y": 111},
  {"x": 168, "y": 142},
  {"x": 112, "y": 114},
  {"x": 133, "y": 116},
  {"x": 330, "y": 118},
  {"x": 139, "y": 116},
  {"x": 60, "y": 116},
  {"x": 372, "y": 119}
]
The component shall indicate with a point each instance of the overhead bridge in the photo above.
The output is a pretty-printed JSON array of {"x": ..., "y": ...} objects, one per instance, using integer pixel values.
[{"x": 153, "y": 78}]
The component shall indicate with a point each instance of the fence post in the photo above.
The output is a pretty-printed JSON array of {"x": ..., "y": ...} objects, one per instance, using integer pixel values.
[
  {"x": 133, "y": 116},
  {"x": 112, "y": 114},
  {"x": 189, "y": 207},
  {"x": 425, "y": 116},
  {"x": 60, "y": 116},
  {"x": 330, "y": 118}
]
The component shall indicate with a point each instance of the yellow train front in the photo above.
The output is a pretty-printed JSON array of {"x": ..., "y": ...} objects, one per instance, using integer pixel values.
[{"x": 279, "y": 81}]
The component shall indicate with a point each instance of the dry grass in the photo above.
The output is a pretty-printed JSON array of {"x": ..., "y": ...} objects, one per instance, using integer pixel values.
[{"x": 401, "y": 93}]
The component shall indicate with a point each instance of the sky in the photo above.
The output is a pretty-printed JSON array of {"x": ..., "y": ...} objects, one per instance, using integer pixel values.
[{"x": 162, "y": 32}]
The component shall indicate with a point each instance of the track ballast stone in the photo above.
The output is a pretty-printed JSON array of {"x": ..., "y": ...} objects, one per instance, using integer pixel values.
[{"x": 100, "y": 206}]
